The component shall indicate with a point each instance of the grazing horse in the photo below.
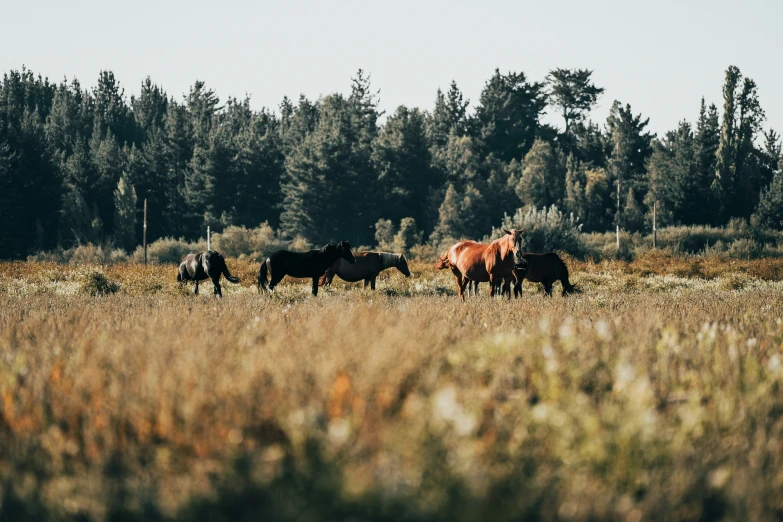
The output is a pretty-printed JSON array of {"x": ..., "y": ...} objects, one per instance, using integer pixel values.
[
  {"x": 541, "y": 268},
  {"x": 311, "y": 264},
  {"x": 197, "y": 267},
  {"x": 367, "y": 267},
  {"x": 477, "y": 262}
]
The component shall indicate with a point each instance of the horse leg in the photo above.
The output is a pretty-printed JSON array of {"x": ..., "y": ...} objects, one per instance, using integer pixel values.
[
  {"x": 507, "y": 287},
  {"x": 372, "y": 284},
  {"x": 548, "y": 288},
  {"x": 274, "y": 280},
  {"x": 493, "y": 283},
  {"x": 315, "y": 286},
  {"x": 366, "y": 282},
  {"x": 196, "y": 292},
  {"x": 461, "y": 283},
  {"x": 218, "y": 291},
  {"x": 518, "y": 288}
]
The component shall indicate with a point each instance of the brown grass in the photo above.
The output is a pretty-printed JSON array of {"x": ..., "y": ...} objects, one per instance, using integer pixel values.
[{"x": 650, "y": 395}]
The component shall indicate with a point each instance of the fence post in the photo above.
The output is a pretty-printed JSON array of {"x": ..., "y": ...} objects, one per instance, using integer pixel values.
[
  {"x": 145, "y": 231},
  {"x": 209, "y": 238},
  {"x": 618, "y": 214},
  {"x": 655, "y": 228}
]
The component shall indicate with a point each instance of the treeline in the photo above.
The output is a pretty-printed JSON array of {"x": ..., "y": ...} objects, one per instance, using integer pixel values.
[{"x": 76, "y": 164}]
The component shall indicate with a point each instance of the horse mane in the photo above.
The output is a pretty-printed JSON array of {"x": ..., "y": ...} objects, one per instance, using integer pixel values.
[
  {"x": 496, "y": 246},
  {"x": 388, "y": 260}
]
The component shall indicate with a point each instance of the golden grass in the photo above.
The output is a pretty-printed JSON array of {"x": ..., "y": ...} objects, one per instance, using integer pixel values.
[{"x": 650, "y": 395}]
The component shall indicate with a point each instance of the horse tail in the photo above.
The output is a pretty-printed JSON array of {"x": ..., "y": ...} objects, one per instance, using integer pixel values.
[
  {"x": 568, "y": 288},
  {"x": 443, "y": 261},
  {"x": 228, "y": 275},
  {"x": 262, "y": 281}
]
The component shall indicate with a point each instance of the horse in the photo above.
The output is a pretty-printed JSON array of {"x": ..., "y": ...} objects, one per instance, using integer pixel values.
[
  {"x": 472, "y": 261},
  {"x": 472, "y": 286},
  {"x": 197, "y": 267},
  {"x": 541, "y": 268},
  {"x": 367, "y": 267},
  {"x": 311, "y": 264}
]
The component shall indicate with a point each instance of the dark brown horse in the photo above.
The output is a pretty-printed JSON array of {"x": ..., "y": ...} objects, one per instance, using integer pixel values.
[
  {"x": 541, "y": 268},
  {"x": 367, "y": 267},
  {"x": 472, "y": 261},
  {"x": 311, "y": 264},
  {"x": 204, "y": 265}
]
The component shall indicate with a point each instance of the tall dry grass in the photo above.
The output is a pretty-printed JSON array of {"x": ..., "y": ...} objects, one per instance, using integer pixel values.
[{"x": 653, "y": 394}]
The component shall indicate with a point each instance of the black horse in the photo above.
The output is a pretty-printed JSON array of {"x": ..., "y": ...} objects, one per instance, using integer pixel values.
[
  {"x": 311, "y": 264},
  {"x": 541, "y": 268},
  {"x": 204, "y": 265}
]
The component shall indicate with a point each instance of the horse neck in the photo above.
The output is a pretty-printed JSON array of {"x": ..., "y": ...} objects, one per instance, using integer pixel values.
[
  {"x": 388, "y": 260},
  {"x": 502, "y": 246}
]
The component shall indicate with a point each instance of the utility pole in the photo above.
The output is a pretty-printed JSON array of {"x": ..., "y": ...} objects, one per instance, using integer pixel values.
[
  {"x": 145, "y": 231},
  {"x": 209, "y": 237},
  {"x": 655, "y": 229}
]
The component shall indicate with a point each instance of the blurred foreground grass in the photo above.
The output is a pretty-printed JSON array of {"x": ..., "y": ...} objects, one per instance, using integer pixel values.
[{"x": 653, "y": 394}]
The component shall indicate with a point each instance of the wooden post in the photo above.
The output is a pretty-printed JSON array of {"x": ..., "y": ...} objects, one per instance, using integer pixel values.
[
  {"x": 655, "y": 229},
  {"x": 209, "y": 242},
  {"x": 145, "y": 231},
  {"x": 618, "y": 213}
]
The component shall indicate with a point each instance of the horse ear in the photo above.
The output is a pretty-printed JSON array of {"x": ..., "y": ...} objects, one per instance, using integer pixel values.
[{"x": 507, "y": 232}]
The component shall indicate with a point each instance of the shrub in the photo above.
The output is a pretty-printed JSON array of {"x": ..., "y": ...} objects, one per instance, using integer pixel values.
[
  {"x": 95, "y": 283},
  {"x": 252, "y": 242},
  {"x": 546, "y": 230},
  {"x": 168, "y": 250}
]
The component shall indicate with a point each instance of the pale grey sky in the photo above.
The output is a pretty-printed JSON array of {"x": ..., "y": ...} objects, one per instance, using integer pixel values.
[{"x": 659, "y": 56}]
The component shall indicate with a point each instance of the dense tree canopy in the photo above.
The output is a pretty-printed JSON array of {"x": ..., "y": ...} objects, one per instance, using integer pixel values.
[{"x": 77, "y": 164}]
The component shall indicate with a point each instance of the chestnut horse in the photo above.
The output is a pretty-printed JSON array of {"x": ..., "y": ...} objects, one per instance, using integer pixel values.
[
  {"x": 477, "y": 262},
  {"x": 472, "y": 286},
  {"x": 541, "y": 268}
]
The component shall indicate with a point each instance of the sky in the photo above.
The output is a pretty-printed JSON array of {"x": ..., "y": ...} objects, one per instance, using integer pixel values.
[{"x": 659, "y": 56}]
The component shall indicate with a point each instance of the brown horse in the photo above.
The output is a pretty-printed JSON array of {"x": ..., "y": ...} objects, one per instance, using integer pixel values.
[
  {"x": 204, "y": 265},
  {"x": 367, "y": 267},
  {"x": 472, "y": 261},
  {"x": 472, "y": 286},
  {"x": 541, "y": 268}
]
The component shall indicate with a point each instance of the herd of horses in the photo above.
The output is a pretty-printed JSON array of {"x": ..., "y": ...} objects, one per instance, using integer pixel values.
[{"x": 499, "y": 263}]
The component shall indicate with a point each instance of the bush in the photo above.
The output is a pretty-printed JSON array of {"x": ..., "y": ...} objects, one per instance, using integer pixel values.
[
  {"x": 253, "y": 242},
  {"x": 546, "y": 230},
  {"x": 95, "y": 283},
  {"x": 83, "y": 254},
  {"x": 168, "y": 250}
]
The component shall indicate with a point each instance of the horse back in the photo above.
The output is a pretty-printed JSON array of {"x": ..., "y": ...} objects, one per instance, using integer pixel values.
[
  {"x": 366, "y": 266},
  {"x": 468, "y": 258},
  {"x": 543, "y": 267}
]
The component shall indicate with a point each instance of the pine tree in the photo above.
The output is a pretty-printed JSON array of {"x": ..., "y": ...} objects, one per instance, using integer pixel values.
[
  {"x": 725, "y": 167},
  {"x": 402, "y": 158},
  {"x": 573, "y": 93},
  {"x": 543, "y": 178},
  {"x": 707, "y": 140},
  {"x": 508, "y": 114},
  {"x": 769, "y": 212},
  {"x": 125, "y": 214}
]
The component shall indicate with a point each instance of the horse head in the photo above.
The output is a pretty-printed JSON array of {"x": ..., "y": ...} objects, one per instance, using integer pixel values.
[
  {"x": 516, "y": 241},
  {"x": 402, "y": 265},
  {"x": 344, "y": 249}
]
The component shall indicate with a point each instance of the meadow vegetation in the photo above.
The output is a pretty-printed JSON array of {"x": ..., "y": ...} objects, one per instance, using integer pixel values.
[{"x": 654, "y": 393}]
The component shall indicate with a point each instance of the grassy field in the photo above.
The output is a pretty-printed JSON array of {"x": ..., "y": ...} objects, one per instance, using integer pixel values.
[{"x": 654, "y": 394}]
